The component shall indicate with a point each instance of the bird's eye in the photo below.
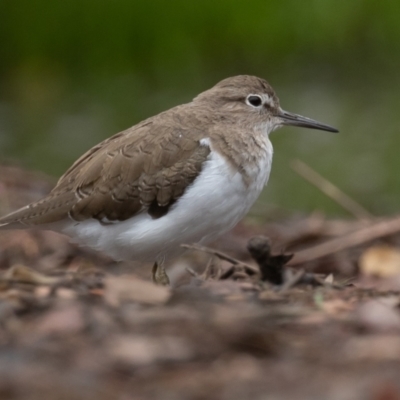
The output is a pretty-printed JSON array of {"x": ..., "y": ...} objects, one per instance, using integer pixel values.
[{"x": 254, "y": 100}]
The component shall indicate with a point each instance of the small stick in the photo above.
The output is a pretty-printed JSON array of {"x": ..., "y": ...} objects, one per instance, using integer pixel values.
[
  {"x": 207, "y": 272},
  {"x": 374, "y": 231},
  {"x": 293, "y": 281},
  {"x": 330, "y": 190},
  {"x": 220, "y": 255},
  {"x": 192, "y": 272}
]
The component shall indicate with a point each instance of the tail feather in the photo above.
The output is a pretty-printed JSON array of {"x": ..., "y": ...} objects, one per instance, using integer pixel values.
[
  {"x": 51, "y": 209},
  {"x": 11, "y": 220}
]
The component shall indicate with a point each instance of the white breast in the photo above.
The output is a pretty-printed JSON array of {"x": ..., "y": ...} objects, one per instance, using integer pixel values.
[{"x": 212, "y": 205}]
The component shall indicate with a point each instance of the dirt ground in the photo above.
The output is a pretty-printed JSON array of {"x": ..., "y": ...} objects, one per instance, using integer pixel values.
[{"x": 241, "y": 320}]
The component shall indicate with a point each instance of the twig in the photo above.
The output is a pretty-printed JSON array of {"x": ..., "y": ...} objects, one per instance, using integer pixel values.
[
  {"x": 293, "y": 281},
  {"x": 322, "y": 282},
  {"x": 213, "y": 270},
  {"x": 330, "y": 190},
  {"x": 220, "y": 255},
  {"x": 374, "y": 231},
  {"x": 192, "y": 272}
]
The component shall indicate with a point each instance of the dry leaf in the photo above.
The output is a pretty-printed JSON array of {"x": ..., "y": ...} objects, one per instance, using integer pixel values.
[
  {"x": 380, "y": 261},
  {"x": 378, "y": 316},
  {"x": 20, "y": 273},
  {"x": 64, "y": 320},
  {"x": 141, "y": 350},
  {"x": 372, "y": 348},
  {"x": 130, "y": 288},
  {"x": 329, "y": 279},
  {"x": 336, "y": 306}
]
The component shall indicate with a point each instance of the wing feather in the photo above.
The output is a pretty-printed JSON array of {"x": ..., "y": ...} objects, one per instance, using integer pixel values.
[{"x": 144, "y": 169}]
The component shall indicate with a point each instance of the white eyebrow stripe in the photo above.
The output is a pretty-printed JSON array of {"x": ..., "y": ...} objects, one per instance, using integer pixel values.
[{"x": 268, "y": 99}]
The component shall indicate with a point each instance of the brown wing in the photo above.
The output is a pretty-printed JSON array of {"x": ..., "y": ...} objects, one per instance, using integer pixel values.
[{"x": 144, "y": 169}]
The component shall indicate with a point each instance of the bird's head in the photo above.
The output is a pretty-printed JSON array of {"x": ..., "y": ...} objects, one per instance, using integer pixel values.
[{"x": 247, "y": 99}]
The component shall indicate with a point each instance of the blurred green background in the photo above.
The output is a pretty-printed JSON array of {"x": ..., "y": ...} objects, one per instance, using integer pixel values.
[{"x": 74, "y": 72}]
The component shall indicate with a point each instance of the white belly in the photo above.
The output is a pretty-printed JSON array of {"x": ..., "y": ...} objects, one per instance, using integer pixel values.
[{"x": 212, "y": 205}]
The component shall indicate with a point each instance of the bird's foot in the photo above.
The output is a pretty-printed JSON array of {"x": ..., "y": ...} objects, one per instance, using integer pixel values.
[{"x": 159, "y": 275}]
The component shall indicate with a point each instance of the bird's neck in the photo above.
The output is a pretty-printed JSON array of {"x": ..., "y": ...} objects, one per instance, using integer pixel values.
[{"x": 249, "y": 152}]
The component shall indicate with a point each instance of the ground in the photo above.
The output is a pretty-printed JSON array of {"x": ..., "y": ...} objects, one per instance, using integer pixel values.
[{"x": 76, "y": 325}]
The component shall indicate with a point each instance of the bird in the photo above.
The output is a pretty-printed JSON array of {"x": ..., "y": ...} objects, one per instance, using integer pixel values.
[{"x": 186, "y": 175}]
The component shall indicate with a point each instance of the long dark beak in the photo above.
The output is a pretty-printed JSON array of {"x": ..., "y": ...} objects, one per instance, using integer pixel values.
[{"x": 291, "y": 119}]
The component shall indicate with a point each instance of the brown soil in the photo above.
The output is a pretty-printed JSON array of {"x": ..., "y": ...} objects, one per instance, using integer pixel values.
[{"x": 75, "y": 325}]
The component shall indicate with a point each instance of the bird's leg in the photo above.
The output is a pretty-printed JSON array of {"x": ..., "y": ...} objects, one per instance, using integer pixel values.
[{"x": 159, "y": 275}]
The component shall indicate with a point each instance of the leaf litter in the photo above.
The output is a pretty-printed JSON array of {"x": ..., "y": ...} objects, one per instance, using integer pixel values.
[{"x": 243, "y": 319}]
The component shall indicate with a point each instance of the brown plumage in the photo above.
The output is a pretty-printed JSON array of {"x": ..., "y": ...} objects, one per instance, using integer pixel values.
[
  {"x": 185, "y": 175},
  {"x": 146, "y": 168}
]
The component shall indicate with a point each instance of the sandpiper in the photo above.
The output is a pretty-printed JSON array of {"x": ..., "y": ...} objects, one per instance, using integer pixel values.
[{"x": 186, "y": 175}]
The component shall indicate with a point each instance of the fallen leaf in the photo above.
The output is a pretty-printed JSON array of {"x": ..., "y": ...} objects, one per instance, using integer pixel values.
[
  {"x": 66, "y": 319},
  {"x": 378, "y": 316},
  {"x": 372, "y": 348},
  {"x": 130, "y": 288},
  {"x": 336, "y": 306},
  {"x": 21, "y": 273},
  {"x": 329, "y": 279},
  {"x": 141, "y": 350},
  {"x": 380, "y": 261}
]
